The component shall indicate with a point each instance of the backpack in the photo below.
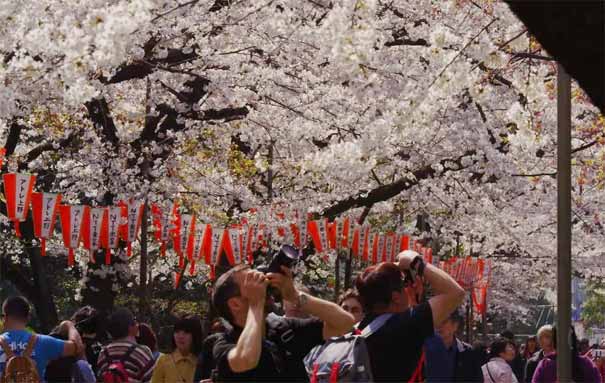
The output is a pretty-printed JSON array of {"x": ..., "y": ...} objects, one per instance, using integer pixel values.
[
  {"x": 116, "y": 371},
  {"x": 344, "y": 358},
  {"x": 20, "y": 368}
]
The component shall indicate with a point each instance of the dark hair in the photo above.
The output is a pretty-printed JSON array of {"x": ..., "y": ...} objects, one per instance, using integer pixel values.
[
  {"x": 376, "y": 284},
  {"x": 498, "y": 346},
  {"x": 16, "y": 307},
  {"x": 87, "y": 320},
  {"x": 226, "y": 287},
  {"x": 508, "y": 334},
  {"x": 147, "y": 337},
  {"x": 119, "y": 322},
  {"x": 59, "y": 370},
  {"x": 193, "y": 326},
  {"x": 349, "y": 294},
  {"x": 527, "y": 354},
  {"x": 456, "y": 317}
]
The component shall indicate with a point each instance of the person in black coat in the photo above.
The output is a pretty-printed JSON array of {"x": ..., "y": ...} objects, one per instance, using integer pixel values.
[{"x": 448, "y": 359}]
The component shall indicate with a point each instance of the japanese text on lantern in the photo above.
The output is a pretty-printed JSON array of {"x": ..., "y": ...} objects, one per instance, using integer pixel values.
[{"x": 21, "y": 198}]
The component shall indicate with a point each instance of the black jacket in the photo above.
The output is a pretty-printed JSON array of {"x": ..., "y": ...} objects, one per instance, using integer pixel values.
[
  {"x": 531, "y": 365},
  {"x": 467, "y": 368},
  {"x": 468, "y": 364}
]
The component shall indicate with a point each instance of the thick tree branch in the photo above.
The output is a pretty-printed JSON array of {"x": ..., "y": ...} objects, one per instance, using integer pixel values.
[
  {"x": 14, "y": 135},
  {"x": 98, "y": 112},
  {"x": 388, "y": 191},
  {"x": 410, "y": 42},
  {"x": 46, "y": 147},
  {"x": 142, "y": 68}
]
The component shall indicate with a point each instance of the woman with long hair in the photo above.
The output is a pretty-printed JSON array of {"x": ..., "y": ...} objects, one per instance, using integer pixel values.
[
  {"x": 179, "y": 365},
  {"x": 531, "y": 347},
  {"x": 497, "y": 369},
  {"x": 583, "y": 369}
]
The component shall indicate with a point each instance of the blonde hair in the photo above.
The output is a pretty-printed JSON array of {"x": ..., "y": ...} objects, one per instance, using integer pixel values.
[{"x": 545, "y": 330}]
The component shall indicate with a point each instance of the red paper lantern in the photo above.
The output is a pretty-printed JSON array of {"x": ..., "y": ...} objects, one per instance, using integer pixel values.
[
  {"x": 319, "y": 233},
  {"x": 94, "y": 227},
  {"x": 110, "y": 237},
  {"x": 2, "y": 154},
  {"x": 134, "y": 211},
  {"x": 44, "y": 210},
  {"x": 18, "y": 188},
  {"x": 164, "y": 224},
  {"x": 72, "y": 218}
]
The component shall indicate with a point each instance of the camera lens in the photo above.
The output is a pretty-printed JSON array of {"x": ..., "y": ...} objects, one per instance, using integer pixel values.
[{"x": 287, "y": 256}]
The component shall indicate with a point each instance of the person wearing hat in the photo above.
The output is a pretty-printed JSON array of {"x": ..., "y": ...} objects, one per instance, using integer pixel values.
[{"x": 448, "y": 359}]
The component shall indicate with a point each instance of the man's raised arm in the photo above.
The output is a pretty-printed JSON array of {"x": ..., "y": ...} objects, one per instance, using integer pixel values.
[
  {"x": 74, "y": 345},
  {"x": 336, "y": 320},
  {"x": 448, "y": 293},
  {"x": 246, "y": 353}
]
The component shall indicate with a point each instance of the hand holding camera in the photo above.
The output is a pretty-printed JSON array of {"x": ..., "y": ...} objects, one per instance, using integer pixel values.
[
  {"x": 284, "y": 282},
  {"x": 255, "y": 288}
]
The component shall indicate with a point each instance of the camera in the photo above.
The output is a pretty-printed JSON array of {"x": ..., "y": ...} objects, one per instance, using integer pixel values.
[{"x": 287, "y": 256}]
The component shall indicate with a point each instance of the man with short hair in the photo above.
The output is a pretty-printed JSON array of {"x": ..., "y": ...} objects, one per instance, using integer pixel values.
[
  {"x": 395, "y": 348},
  {"x": 16, "y": 315},
  {"x": 136, "y": 359},
  {"x": 448, "y": 359},
  {"x": 546, "y": 343},
  {"x": 261, "y": 348}
]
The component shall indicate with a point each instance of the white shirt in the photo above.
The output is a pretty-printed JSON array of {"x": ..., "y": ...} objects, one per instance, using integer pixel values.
[{"x": 498, "y": 371}]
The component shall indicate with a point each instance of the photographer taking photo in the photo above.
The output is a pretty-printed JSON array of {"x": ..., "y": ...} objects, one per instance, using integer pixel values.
[
  {"x": 262, "y": 348},
  {"x": 395, "y": 348}
]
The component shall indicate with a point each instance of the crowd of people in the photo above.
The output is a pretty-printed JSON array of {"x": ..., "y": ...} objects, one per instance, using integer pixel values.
[{"x": 384, "y": 330}]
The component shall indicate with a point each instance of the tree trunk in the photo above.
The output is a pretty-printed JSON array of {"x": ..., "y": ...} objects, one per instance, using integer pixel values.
[
  {"x": 43, "y": 299},
  {"x": 337, "y": 277},
  {"x": 348, "y": 270},
  {"x": 41, "y": 294}
]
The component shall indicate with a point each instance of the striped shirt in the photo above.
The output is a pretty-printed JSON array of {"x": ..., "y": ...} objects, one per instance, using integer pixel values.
[{"x": 139, "y": 364}]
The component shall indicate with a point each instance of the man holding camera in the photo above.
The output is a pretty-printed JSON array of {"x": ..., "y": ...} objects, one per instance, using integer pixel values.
[
  {"x": 262, "y": 348},
  {"x": 395, "y": 348}
]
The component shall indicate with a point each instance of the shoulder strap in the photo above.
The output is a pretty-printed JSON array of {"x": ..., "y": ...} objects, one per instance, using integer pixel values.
[
  {"x": 129, "y": 352},
  {"x": 30, "y": 346},
  {"x": 417, "y": 377},
  {"x": 7, "y": 349},
  {"x": 375, "y": 325},
  {"x": 489, "y": 372}
]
